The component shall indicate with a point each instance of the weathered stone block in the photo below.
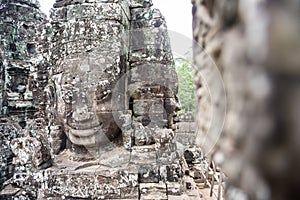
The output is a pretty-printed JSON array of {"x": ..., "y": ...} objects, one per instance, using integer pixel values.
[
  {"x": 153, "y": 191},
  {"x": 174, "y": 188},
  {"x": 149, "y": 173},
  {"x": 164, "y": 136},
  {"x": 140, "y": 3},
  {"x": 123, "y": 118},
  {"x": 87, "y": 183},
  {"x": 143, "y": 55},
  {"x": 8, "y": 131},
  {"x": 148, "y": 106},
  {"x": 143, "y": 135},
  {"x": 170, "y": 171},
  {"x": 148, "y": 73},
  {"x": 167, "y": 160},
  {"x": 158, "y": 121},
  {"x": 128, "y": 136},
  {"x": 186, "y": 139},
  {"x": 130, "y": 193},
  {"x": 62, "y": 3},
  {"x": 143, "y": 155},
  {"x": 193, "y": 155},
  {"x": 29, "y": 150}
]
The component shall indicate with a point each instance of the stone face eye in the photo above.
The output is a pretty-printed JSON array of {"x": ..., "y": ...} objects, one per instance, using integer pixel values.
[
  {"x": 103, "y": 95},
  {"x": 67, "y": 87},
  {"x": 68, "y": 97},
  {"x": 67, "y": 94},
  {"x": 50, "y": 96}
]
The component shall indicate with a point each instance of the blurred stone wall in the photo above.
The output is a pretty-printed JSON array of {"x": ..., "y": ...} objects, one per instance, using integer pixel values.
[{"x": 255, "y": 47}]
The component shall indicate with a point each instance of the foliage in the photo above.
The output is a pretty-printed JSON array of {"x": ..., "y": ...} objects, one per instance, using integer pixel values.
[{"x": 185, "y": 85}]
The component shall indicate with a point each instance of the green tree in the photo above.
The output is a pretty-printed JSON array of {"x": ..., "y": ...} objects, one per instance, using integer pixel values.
[{"x": 185, "y": 85}]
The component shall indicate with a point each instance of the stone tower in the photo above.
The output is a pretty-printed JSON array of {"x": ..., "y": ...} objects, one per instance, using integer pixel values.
[
  {"x": 19, "y": 20},
  {"x": 107, "y": 112}
]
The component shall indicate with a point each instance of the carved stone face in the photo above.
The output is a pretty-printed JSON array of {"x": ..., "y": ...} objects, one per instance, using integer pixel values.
[{"x": 83, "y": 88}]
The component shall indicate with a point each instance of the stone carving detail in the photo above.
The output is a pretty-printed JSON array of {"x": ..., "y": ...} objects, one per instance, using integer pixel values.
[
  {"x": 19, "y": 20},
  {"x": 105, "y": 93},
  {"x": 18, "y": 58}
]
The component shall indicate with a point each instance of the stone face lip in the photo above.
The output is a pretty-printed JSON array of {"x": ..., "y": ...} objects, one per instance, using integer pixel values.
[
  {"x": 88, "y": 140},
  {"x": 89, "y": 137},
  {"x": 92, "y": 133},
  {"x": 86, "y": 125},
  {"x": 84, "y": 132}
]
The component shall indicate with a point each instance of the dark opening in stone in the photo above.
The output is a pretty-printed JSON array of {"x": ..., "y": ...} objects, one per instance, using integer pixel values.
[
  {"x": 30, "y": 48},
  {"x": 13, "y": 47}
]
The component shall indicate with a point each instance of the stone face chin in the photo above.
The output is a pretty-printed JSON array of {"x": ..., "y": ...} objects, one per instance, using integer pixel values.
[
  {"x": 89, "y": 137},
  {"x": 81, "y": 140},
  {"x": 84, "y": 132},
  {"x": 95, "y": 133}
]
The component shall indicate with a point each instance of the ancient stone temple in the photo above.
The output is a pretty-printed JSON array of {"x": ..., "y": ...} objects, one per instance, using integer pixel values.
[
  {"x": 19, "y": 21},
  {"x": 101, "y": 88},
  {"x": 18, "y": 60}
]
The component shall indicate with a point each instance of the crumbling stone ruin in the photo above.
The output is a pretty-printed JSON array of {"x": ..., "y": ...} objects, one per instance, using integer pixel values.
[
  {"x": 18, "y": 21},
  {"x": 186, "y": 129},
  {"x": 254, "y": 45},
  {"x": 88, "y": 102},
  {"x": 101, "y": 89}
]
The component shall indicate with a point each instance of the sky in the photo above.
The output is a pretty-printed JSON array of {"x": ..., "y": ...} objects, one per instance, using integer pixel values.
[{"x": 178, "y": 14}]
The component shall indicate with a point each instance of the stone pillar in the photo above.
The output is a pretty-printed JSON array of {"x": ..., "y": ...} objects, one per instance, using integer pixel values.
[
  {"x": 254, "y": 47},
  {"x": 19, "y": 20}
]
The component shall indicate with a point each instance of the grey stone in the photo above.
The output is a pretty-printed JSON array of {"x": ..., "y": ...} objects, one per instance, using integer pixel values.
[{"x": 97, "y": 88}]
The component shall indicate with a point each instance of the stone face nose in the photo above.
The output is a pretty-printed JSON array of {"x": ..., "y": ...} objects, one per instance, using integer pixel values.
[{"x": 81, "y": 114}]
